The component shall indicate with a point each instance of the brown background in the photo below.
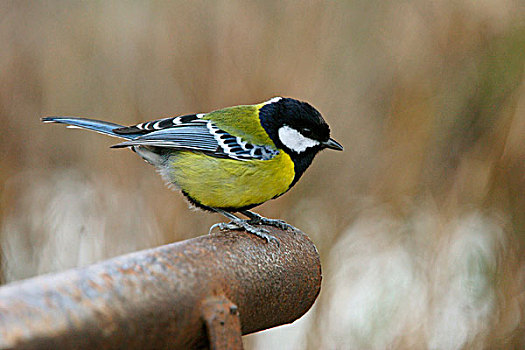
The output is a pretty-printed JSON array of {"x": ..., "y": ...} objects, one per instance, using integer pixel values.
[{"x": 420, "y": 221}]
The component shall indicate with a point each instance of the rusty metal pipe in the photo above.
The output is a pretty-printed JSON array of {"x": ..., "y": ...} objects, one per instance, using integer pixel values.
[{"x": 162, "y": 297}]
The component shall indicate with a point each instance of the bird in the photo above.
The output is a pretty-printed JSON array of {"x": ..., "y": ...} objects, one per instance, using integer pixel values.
[{"x": 229, "y": 160}]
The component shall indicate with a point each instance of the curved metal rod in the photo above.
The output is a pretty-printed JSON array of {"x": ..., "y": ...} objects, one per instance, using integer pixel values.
[{"x": 166, "y": 296}]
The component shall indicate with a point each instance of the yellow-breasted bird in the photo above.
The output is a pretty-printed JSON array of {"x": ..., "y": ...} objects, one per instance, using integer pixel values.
[{"x": 229, "y": 160}]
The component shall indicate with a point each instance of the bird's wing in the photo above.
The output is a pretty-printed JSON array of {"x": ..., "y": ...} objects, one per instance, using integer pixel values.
[
  {"x": 191, "y": 132},
  {"x": 243, "y": 121},
  {"x": 159, "y": 124}
]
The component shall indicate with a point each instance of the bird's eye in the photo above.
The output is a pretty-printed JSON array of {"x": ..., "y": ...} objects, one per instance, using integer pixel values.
[{"x": 306, "y": 132}]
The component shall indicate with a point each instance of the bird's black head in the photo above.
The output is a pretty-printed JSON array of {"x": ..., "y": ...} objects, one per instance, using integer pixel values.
[
  {"x": 298, "y": 129},
  {"x": 296, "y": 126}
]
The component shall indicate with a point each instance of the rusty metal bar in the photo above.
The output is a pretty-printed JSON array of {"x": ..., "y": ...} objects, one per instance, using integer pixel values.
[
  {"x": 201, "y": 292},
  {"x": 222, "y": 323}
]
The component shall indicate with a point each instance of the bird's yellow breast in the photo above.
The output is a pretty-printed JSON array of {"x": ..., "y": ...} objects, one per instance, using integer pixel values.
[{"x": 227, "y": 183}]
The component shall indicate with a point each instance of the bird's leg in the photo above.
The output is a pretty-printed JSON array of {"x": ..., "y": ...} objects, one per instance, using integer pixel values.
[
  {"x": 240, "y": 224},
  {"x": 256, "y": 219}
]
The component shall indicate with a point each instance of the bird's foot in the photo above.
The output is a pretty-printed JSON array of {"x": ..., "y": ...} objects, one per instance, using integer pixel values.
[
  {"x": 256, "y": 219},
  {"x": 248, "y": 227}
]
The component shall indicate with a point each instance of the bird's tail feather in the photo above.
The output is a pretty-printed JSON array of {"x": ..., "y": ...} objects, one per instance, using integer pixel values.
[{"x": 90, "y": 124}]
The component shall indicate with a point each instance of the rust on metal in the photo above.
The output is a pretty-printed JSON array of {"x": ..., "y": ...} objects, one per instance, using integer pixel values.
[
  {"x": 223, "y": 323},
  {"x": 174, "y": 296}
]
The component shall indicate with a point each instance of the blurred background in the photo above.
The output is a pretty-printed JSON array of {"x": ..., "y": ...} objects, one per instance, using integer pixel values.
[{"x": 420, "y": 222}]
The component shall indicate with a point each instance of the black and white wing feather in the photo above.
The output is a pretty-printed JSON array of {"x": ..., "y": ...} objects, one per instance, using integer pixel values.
[
  {"x": 159, "y": 124},
  {"x": 190, "y": 132},
  {"x": 235, "y": 147}
]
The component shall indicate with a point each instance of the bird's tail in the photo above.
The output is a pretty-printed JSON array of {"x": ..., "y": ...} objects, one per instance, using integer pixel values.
[{"x": 99, "y": 126}]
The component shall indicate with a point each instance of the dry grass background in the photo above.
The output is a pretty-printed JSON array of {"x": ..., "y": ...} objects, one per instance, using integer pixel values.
[{"x": 420, "y": 221}]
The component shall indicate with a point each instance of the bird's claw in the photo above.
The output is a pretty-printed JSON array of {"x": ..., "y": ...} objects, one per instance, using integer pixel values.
[
  {"x": 244, "y": 225},
  {"x": 258, "y": 231},
  {"x": 222, "y": 226},
  {"x": 280, "y": 224}
]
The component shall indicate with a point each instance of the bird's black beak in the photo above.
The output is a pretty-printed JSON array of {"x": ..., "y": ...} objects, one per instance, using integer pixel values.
[{"x": 332, "y": 144}]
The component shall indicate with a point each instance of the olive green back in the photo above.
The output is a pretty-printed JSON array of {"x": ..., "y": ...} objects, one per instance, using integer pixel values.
[{"x": 242, "y": 121}]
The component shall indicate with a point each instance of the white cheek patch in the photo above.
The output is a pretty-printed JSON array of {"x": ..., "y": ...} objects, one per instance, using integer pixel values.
[{"x": 294, "y": 140}]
